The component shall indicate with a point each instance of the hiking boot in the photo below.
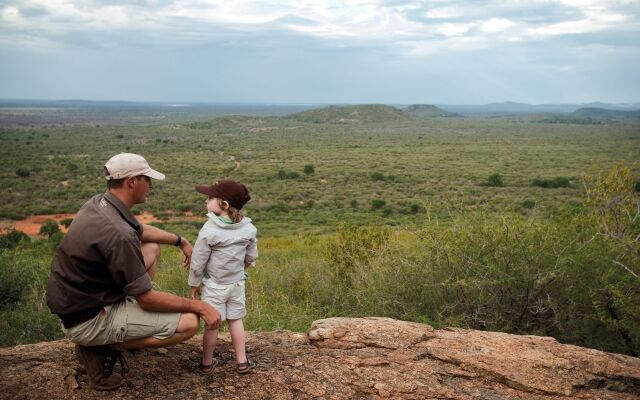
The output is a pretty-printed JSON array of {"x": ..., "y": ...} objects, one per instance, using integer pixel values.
[{"x": 99, "y": 362}]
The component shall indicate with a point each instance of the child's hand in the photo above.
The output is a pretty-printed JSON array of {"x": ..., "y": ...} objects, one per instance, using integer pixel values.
[{"x": 195, "y": 293}]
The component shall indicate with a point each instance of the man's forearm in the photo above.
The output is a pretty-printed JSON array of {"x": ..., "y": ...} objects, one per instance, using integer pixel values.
[
  {"x": 154, "y": 234},
  {"x": 154, "y": 300}
]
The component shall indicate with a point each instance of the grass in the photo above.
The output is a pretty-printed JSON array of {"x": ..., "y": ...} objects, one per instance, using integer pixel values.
[{"x": 396, "y": 218}]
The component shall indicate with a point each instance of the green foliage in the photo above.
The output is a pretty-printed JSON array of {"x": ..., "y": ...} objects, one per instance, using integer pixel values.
[
  {"x": 66, "y": 222},
  {"x": 12, "y": 239},
  {"x": 528, "y": 204},
  {"x": 23, "y": 172},
  {"x": 49, "y": 227},
  {"x": 309, "y": 170},
  {"x": 557, "y": 182},
  {"x": 282, "y": 174},
  {"x": 377, "y": 204},
  {"x": 24, "y": 316},
  {"x": 494, "y": 180}
]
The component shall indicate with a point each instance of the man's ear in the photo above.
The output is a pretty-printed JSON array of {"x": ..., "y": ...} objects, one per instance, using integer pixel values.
[{"x": 130, "y": 181}]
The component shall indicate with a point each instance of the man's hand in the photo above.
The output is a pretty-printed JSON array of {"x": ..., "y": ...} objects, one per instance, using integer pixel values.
[
  {"x": 187, "y": 249},
  {"x": 195, "y": 293},
  {"x": 210, "y": 315}
]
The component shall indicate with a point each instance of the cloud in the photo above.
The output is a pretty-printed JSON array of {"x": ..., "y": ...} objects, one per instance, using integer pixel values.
[
  {"x": 355, "y": 22},
  {"x": 317, "y": 46}
]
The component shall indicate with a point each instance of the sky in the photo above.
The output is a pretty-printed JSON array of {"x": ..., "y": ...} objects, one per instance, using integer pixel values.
[{"x": 313, "y": 51}]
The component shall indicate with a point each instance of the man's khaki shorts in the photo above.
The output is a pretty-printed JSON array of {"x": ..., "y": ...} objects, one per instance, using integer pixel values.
[
  {"x": 122, "y": 322},
  {"x": 229, "y": 299}
]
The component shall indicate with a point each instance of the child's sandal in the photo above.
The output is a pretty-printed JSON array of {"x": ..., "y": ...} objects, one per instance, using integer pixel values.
[
  {"x": 245, "y": 367},
  {"x": 207, "y": 369}
]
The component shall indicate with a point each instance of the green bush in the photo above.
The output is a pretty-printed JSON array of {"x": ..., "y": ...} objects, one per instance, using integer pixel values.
[
  {"x": 377, "y": 176},
  {"x": 11, "y": 239},
  {"x": 66, "y": 222},
  {"x": 528, "y": 204},
  {"x": 308, "y": 169},
  {"x": 23, "y": 172},
  {"x": 49, "y": 227},
  {"x": 494, "y": 180},
  {"x": 377, "y": 204}
]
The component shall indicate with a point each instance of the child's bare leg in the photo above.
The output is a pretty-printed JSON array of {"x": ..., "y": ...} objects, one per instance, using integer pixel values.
[
  {"x": 209, "y": 339},
  {"x": 236, "y": 328}
]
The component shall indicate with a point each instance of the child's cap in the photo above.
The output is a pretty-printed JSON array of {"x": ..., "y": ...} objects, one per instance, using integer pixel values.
[{"x": 233, "y": 192}]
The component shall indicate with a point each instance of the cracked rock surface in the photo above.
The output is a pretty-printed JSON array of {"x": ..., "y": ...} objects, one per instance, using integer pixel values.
[{"x": 342, "y": 358}]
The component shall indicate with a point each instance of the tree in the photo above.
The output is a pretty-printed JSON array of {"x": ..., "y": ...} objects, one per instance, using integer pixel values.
[{"x": 49, "y": 227}]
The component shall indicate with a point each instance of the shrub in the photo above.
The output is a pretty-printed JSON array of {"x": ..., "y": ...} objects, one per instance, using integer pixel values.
[
  {"x": 377, "y": 204},
  {"x": 354, "y": 204},
  {"x": 528, "y": 204},
  {"x": 49, "y": 227},
  {"x": 184, "y": 207},
  {"x": 415, "y": 208},
  {"x": 12, "y": 239},
  {"x": 23, "y": 172},
  {"x": 556, "y": 182},
  {"x": 282, "y": 174},
  {"x": 66, "y": 222},
  {"x": 494, "y": 180},
  {"x": 308, "y": 169},
  {"x": 377, "y": 176},
  {"x": 14, "y": 280}
]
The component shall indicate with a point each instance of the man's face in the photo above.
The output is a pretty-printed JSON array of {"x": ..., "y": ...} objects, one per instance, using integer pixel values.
[{"x": 141, "y": 188}]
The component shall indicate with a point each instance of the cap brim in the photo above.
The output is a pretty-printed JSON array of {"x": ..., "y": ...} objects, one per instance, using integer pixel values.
[
  {"x": 152, "y": 173},
  {"x": 205, "y": 189}
]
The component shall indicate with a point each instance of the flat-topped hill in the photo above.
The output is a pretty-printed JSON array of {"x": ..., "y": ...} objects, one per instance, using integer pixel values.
[
  {"x": 342, "y": 358},
  {"x": 428, "y": 110},
  {"x": 366, "y": 113}
]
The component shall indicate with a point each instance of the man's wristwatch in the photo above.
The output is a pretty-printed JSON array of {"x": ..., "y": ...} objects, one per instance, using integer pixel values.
[{"x": 178, "y": 241}]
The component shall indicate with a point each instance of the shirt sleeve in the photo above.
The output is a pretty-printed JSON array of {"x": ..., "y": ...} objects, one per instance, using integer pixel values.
[
  {"x": 252, "y": 252},
  {"x": 126, "y": 265},
  {"x": 199, "y": 258}
]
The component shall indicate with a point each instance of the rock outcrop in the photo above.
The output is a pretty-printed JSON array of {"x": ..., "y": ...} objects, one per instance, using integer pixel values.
[{"x": 342, "y": 358}]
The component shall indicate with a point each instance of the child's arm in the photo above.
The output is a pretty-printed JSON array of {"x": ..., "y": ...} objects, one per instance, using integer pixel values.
[
  {"x": 199, "y": 259},
  {"x": 252, "y": 253}
]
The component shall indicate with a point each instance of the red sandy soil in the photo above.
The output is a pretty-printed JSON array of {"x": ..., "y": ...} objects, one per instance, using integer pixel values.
[{"x": 31, "y": 225}]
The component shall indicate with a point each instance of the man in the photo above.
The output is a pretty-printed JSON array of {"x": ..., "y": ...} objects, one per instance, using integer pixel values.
[{"x": 101, "y": 278}]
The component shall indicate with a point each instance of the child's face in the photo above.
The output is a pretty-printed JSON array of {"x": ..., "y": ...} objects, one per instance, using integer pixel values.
[{"x": 213, "y": 206}]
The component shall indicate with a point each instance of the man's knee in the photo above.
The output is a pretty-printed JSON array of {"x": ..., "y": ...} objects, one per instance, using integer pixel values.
[
  {"x": 150, "y": 253},
  {"x": 188, "y": 324}
]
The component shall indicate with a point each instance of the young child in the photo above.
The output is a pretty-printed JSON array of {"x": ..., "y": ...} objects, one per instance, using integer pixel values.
[{"x": 226, "y": 245}]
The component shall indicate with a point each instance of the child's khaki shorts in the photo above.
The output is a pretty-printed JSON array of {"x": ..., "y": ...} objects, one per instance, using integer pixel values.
[
  {"x": 122, "y": 322},
  {"x": 229, "y": 299}
]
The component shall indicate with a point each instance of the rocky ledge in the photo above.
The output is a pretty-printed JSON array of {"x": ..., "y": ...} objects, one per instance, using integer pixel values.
[{"x": 342, "y": 358}]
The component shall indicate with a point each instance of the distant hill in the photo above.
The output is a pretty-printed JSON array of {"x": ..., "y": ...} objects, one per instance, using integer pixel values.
[
  {"x": 428, "y": 110},
  {"x": 513, "y": 108},
  {"x": 367, "y": 113},
  {"x": 602, "y": 113}
]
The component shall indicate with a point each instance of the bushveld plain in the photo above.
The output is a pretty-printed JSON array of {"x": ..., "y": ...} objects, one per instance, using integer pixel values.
[{"x": 490, "y": 223}]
